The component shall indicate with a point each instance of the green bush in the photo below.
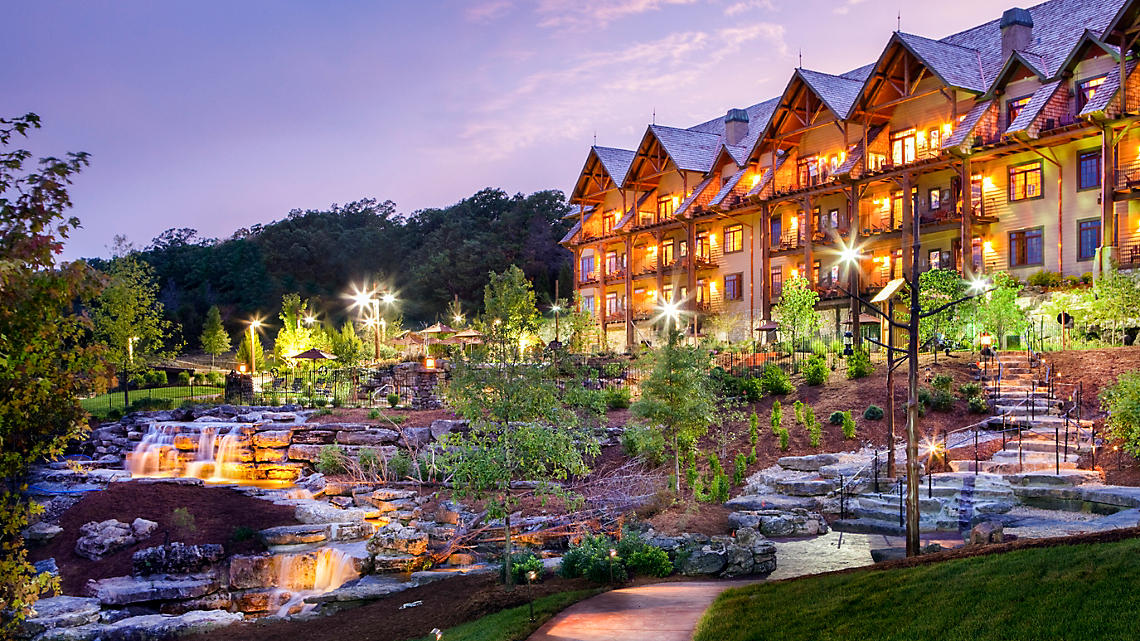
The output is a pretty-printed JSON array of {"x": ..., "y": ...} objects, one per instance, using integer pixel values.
[
  {"x": 216, "y": 379},
  {"x": 970, "y": 390},
  {"x": 183, "y": 378},
  {"x": 1122, "y": 402},
  {"x": 873, "y": 413},
  {"x": 183, "y": 520},
  {"x": 753, "y": 436},
  {"x": 739, "y": 469},
  {"x": 137, "y": 380},
  {"x": 321, "y": 401},
  {"x": 151, "y": 404},
  {"x": 649, "y": 560},
  {"x": 242, "y": 533},
  {"x": 848, "y": 425},
  {"x": 816, "y": 370},
  {"x": 798, "y": 408},
  {"x": 199, "y": 379},
  {"x": 369, "y": 461},
  {"x": 374, "y": 414},
  {"x": 400, "y": 465},
  {"x": 777, "y": 418},
  {"x": 644, "y": 442},
  {"x": 784, "y": 437},
  {"x": 924, "y": 397},
  {"x": 617, "y": 398},
  {"x": 393, "y": 399},
  {"x": 1045, "y": 278},
  {"x": 331, "y": 460},
  {"x": 774, "y": 381},
  {"x": 613, "y": 370},
  {"x": 836, "y": 418},
  {"x": 815, "y": 430},
  {"x": 977, "y": 405},
  {"x": 578, "y": 397},
  {"x": 522, "y": 563},
  {"x": 591, "y": 558},
  {"x": 156, "y": 378},
  {"x": 942, "y": 401},
  {"x": 942, "y": 382},
  {"x": 859, "y": 364}
]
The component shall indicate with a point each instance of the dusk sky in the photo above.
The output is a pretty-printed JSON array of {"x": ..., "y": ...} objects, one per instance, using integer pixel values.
[{"x": 219, "y": 115}]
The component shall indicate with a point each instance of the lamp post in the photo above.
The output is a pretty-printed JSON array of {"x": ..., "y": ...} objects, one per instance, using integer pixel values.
[
  {"x": 253, "y": 325},
  {"x": 556, "y": 309},
  {"x": 367, "y": 299},
  {"x": 130, "y": 364},
  {"x": 987, "y": 341},
  {"x": 530, "y": 577},
  {"x": 613, "y": 558}
]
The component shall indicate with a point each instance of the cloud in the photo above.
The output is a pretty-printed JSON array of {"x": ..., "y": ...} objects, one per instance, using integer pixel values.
[
  {"x": 572, "y": 98},
  {"x": 594, "y": 13},
  {"x": 488, "y": 11},
  {"x": 847, "y": 6},
  {"x": 745, "y": 6}
]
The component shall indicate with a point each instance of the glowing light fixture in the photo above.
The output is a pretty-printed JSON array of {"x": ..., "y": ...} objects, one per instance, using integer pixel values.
[{"x": 429, "y": 362}]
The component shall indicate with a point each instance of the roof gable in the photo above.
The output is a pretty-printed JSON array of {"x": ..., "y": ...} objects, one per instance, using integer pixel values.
[{"x": 604, "y": 166}]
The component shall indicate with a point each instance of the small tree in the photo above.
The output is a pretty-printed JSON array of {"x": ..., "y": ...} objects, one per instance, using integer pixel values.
[
  {"x": 347, "y": 346},
  {"x": 1116, "y": 300},
  {"x": 44, "y": 365},
  {"x": 128, "y": 318},
  {"x": 295, "y": 336},
  {"x": 511, "y": 314},
  {"x": 214, "y": 338},
  {"x": 253, "y": 356},
  {"x": 796, "y": 311},
  {"x": 677, "y": 398},
  {"x": 999, "y": 314},
  {"x": 519, "y": 431},
  {"x": 1122, "y": 402},
  {"x": 938, "y": 287}
]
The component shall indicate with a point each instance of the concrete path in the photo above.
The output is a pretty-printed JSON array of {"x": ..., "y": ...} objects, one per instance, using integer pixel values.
[{"x": 661, "y": 612}]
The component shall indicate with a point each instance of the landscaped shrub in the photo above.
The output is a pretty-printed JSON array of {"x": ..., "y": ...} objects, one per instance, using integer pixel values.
[
  {"x": 393, "y": 399},
  {"x": 798, "y": 408},
  {"x": 774, "y": 381},
  {"x": 977, "y": 405},
  {"x": 522, "y": 563},
  {"x": 137, "y": 380},
  {"x": 644, "y": 442},
  {"x": 156, "y": 378},
  {"x": 873, "y": 413},
  {"x": 753, "y": 436},
  {"x": 739, "y": 469},
  {"x": 199, "y": 379},
  {"x": 648, "y": 560},
  {"x": 1122, "y": 402},
  {"x": 183, "y": 378},
  {"x": 836, "y": 418},
  {"x": 859, "y": 364},
  {"x": 374, "y": 414},
  {"x": 183, "y": 520},
  {"x": 815, "y": 430},
  {"x": 321, "y": 401},
  {"x": 617, "y": 398},
  {"x": 941, "y": 401},
  {"x": 924, "y": 397},
  {"x": 748, "y": 388},
  {"x": 777, "y": 418},
  {"x": 848, "y": 425},
  {"x": 216, "y": 379},
  {"x": 400, "y": 465},
  {"x": 151, "y": 404},
  {"x": 1045, "y": 278},
  {"x": 331, "y": 460},
  {"x": 942, "y": 382},
  {"x": 578, "y": 397},
  {"x": 815, "y": 370},
  {"x": 613, "y": 370},
  {"x": 591, "y": 558},
  {"x": 970, "y": 390},
  {"x": 369, "y": 461},
  {"x": 784, "y": 437}
]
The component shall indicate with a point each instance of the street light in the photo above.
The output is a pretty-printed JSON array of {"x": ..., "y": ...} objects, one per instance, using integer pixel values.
[
  {"x": 253, "y": 324},
  {"x": 366, "y": 298},
  {"x": 556, "y": 309}
]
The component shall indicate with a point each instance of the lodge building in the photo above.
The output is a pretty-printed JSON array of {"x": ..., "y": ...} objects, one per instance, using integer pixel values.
[{"x": 1013, "y": 139}]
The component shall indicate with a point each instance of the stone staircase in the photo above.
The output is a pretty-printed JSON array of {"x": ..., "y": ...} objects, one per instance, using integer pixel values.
[{"x": 952, "y": 501}]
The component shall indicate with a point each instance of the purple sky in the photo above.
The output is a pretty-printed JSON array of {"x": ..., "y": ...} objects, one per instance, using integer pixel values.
[{"x": 217, "y": 115}]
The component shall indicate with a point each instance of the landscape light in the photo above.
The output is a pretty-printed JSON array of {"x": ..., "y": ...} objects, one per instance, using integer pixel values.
[
  {"x": 309, "y": 320},
  {"x": 388, "y": 298},
  {"x": 978, "y": 285}
]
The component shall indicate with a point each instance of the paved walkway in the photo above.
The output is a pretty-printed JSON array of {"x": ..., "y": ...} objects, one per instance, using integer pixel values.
[{"x": 661, "y": 612}]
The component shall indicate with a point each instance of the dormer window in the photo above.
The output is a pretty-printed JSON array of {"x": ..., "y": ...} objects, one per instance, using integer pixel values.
[
  {"x": 1087, "y": 89},
  {"x": 665, "y": 207},
  {"x": 904, "y": 147},
  {"x": 1013, "y": 108}
]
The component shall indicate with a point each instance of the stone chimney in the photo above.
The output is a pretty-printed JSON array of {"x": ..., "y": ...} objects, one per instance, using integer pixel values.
[
  {"x": 735, "y": 126},
  {"x": 1016, "y": 31}
]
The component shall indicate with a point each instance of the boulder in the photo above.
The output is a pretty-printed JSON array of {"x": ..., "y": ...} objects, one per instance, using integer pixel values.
[
  {"x": 125, "y": 590},
  {"x": 397, "y": 539},
  {"x": 162, "y": 626},
  {"x": 216, "y": 601},
  {"x": 294, "y": 534},
  {"x": 143, "y": 528},
  {"x": 374, "y": 436},
  {"x": 809, "y": 463},
  {"x": 41, "y": 532},
  {"x": 305, "y": 436},
  {"x": 810, "y": 487},
  {"x": 366, "y": 588},
  {"x": 279, "y": 417},
  {"x": 440, "y": 427},
  {"x": 304, "y": 452},
  {"x": 273, "y": 438},
  {"x": 416, "y": 437},
  {"x": 252, "y": 571},
  {"x": 322, "y": 512},
  {"x": 779, "y": 523},
  {"x": 270, "y": 455},
  {"x": 98, "y": 539},
  {"x": 987, "y": 532},
  {"x": 702, "y": 559},
  {"x": 60, "y": 612},
  {"x": 176, "y": 558}
]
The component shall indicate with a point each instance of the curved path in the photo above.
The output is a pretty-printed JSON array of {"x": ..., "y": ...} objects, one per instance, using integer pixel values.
[{"x": 659, "y": 612}]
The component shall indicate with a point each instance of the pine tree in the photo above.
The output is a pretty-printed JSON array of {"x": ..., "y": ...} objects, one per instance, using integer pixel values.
[{"x": 214, "y": 338}]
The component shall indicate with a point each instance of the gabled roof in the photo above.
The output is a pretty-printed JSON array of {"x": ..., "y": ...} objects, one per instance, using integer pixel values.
[
  {"x": 768, "y": 176},
  {"x": 575, "y": 229},
  {"x": 616, "y": 161},
  {"x": 698, "y": 193},
  {"x": 1033, "y": 108},
  {"x": 837, "y": 92},
  {"x": 965, "y": 129},
  {"x": 689, "y": 150},
  {"x": 1126, "y": 16},
  {"x": 1088, "y": 40},
  {"x": 1105, "y": 93},
  {"x": 1031, "y": 62},
  {"x": 728, "y": 186},
  {"x": 955, "y": 65},
  {"x": 632, "y": 211}
]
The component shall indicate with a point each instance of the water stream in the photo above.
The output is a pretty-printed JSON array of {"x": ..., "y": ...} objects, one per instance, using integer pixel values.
[
  {"x": 332, "y": 568},
  {"x": 215, "y": 460}
]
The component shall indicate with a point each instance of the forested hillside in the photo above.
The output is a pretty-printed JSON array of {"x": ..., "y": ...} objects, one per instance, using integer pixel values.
[{"x": 429, "y": 257}]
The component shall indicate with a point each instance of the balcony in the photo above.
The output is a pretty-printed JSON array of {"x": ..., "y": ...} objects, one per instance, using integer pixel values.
[
  {"x": 1127, "y": 177},
  {"x": 589, "y": 278},
  {"x": 787, "y": 242}
]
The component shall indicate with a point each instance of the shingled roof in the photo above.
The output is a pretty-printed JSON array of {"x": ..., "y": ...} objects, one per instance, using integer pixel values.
[
  {"x": 1105, "y": 93},
  {"x": 955, "y": 65},
  {"x": 1033, "y": 108},
  {"x": 965, "y": 129},
  {"x": 837, "y": 92},
  {"x": 616, "y": 161},
  {"x": 689, "y": 150}
]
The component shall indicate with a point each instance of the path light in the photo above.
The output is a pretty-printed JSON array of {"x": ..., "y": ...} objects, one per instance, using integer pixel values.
[
  {"x": 530, "y": 577},
  {"x": 309, "y": 320},
  {"x": 429, "y": 362},
  {"x": 613, "y": 557},
  {"x": 556, "y": 309},
  {"x": 848, "y": 347},
  {"x": 253, "y": 324},
  {"x": 437, "y": 633}
]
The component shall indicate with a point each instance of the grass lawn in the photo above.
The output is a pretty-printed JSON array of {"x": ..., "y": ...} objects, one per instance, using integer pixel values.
[
  {"x": 514, "y": 624},
  {"x": 1066, "y": 592},
  {"x": 103, "y": 403}
]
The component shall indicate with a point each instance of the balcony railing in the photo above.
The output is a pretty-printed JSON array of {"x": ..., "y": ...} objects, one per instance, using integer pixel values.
[
  {"x": 588, "y": 278},
  {"x": 1128, "y": 176}
]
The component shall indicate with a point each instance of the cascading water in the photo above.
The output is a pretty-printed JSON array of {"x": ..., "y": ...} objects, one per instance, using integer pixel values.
[
  {"x": 159, "y": 454},
  {"x": 331, "y": 569}
]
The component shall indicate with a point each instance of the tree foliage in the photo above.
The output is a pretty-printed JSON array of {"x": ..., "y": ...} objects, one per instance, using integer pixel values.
[
  {"x": 214, "y": 339},
  {"x": 511, "y": 316},
  {"x": 936, "y": 288},
  {"x": 998, "y": 311},
  {"x": 296, "y": 335},
  {"x": 796, "y": 311},
  {"x": 44, "y": 365},
  {"x": 252, "y": 355},
  {"x": 1122, "y": 402},
  {"x": 677, "y": 397}
]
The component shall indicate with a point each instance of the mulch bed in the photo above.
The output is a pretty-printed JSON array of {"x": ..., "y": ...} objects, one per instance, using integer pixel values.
[
  {"x": 217, "y": 512},
  {"x": 1094, "y": 369}
]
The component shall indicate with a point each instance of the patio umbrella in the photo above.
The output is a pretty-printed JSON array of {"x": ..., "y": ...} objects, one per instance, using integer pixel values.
[
  {"x": 438, "y": 328},
  {"x": 314, "y": 355},
  {"x": 408, "y": 339},
  {"x": 469, "y": 333}
]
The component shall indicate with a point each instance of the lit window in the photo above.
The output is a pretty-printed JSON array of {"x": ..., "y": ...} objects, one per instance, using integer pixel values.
[
  {"x": 588, "y": 304},
  {"x": 1025, "y": 181},
  {"x": 1026, "y": 247},
  {"x": 732, "y": 289},
  {"x": 586, "y": 268},
  {"x": 935, "y": 199},
  {"x": 733, "y": 238},
  {"x": 1087, "y": 89},
  {"x": 665, "y": 207},
  {"x": 704, "y": 246},
  {"x": 904, "y": 147},
  {"x": 1013, "y": 108}
]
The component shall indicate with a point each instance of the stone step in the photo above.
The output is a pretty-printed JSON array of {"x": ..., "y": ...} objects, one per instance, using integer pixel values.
[
  {"x": 868, "y": 526},
  {"x": 1004, "y": 467},
  {"x": 1066, "y": 478}
]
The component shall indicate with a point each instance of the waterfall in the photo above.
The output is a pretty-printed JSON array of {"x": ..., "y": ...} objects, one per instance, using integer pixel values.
[
  {"x": 155, "y": 455},
  {"x": 214, "y": 460},
  {"x": 333, "y": 568}
]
